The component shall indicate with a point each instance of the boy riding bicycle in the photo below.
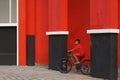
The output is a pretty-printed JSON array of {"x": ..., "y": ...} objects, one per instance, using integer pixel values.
[
  {"x": 77, "y": 51},
  {"x": 74, "y": 58}
]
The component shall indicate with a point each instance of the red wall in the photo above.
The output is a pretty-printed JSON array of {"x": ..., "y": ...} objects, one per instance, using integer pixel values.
[
  {"x": 41, "y": 39},
  {"x": 27, "y": 16},
  {"x": 78, "y": 23},
  {"x": 33, "y": 20},
  {"x": 22, "y": 32},
  {"x": 103, "y": 14},
  {"x": 57, "y": 15},
  {"x": 31, "y": 17}
]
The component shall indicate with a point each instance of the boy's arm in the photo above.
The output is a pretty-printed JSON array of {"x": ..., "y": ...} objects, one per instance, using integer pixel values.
[{"x": 72, "y": 50}]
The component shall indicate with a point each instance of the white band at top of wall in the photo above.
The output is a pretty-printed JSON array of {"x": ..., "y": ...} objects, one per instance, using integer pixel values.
[
  {"x": 57, "y": 33},
  {"x": 97, "y": 31}
]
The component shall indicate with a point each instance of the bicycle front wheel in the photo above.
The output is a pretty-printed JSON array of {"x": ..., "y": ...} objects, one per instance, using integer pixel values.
[
  {"x": 64, "y": 65},
  {"x": 85, "y": 67}
]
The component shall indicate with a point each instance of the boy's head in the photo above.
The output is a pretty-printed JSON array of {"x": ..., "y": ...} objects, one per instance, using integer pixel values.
[{"x": 77, "y": 41}]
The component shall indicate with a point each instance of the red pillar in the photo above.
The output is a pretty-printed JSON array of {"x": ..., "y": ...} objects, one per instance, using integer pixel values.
[
  {"x": 41, "y": 39},
  {"x": 31, "y": 24},
  {"x": 22, "y": 32},
  {"x": 104, "y": 38},
  {"x": 57, "y": 15},
  {"x": 104, "y": 14},
  {"x": 26, "y": 29},
  {"x": 57, "y": 31},
  {"x": 31, "y": 17}
]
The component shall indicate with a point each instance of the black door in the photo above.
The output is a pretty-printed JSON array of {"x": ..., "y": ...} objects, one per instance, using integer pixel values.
[{"x": 8, "y": 45}]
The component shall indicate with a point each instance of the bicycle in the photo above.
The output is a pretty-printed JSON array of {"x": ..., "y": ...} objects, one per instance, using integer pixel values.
[{"x": 64, "y": 65}]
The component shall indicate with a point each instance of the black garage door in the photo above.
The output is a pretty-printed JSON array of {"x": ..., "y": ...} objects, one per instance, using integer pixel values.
[{"x": 8, "y": 45}]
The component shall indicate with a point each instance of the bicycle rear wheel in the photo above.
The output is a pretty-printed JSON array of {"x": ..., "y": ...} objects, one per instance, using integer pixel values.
[
  {"x": 85, "y": 67},
  {"x": 64, "y": 65}
]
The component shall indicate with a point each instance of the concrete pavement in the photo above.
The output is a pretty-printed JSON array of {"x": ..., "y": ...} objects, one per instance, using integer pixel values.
[{"x": 39, "y": 72}]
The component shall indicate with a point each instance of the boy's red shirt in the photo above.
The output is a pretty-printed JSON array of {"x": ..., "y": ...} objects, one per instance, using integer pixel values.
[{"x": 79, "y": 51}]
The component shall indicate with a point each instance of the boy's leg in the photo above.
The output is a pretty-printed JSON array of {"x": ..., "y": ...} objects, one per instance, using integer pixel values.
[
  {"x": 77, "y": 65},
  {"x": 76, "y": 58}
]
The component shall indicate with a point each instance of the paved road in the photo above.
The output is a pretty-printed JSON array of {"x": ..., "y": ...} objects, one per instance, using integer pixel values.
[{"x": 38, "y": 73}]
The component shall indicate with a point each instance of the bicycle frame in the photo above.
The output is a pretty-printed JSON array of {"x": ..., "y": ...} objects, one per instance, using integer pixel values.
[{"x": 72, "y": 59}]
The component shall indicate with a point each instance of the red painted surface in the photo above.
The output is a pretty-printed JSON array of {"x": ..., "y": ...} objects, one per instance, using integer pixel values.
[
  {"x": 57, "y": 15},
  {"x": 31, "y": 15},
  {"x": 103, "y": 14},
  {"x": 41, "y": 39},
  {"x": 78, "y": 23},
  {"x": 33, "y": 20},
  {"x": 22, "y": 32},
  {"x": 26, "y": 26}
]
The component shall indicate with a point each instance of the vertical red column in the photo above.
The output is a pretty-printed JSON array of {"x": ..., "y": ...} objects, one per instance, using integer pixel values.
[
  {"x": 104, "y": 38},
  {"x": 104, "y": 14},
  {"x": 57, "y": 25},
  {"x": 22, "y": 32},
  {"x": 31, "y": 10},
  {"x": 57, "y": 15},
  {"x": 31, "y": 24},
  {"x": 41, "y": 39}
]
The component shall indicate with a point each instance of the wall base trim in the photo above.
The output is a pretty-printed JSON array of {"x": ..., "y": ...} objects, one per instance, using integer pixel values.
[
  {"x": 96, "y": 31},
  {"x": 57, "y": 33}
]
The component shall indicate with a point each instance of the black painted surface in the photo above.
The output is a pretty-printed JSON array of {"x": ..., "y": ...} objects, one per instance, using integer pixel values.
[
  {"x": 104, "y": 56},
  {"x": 8, "y": 45},
  {"x": 57, "y": 49},
  {"x": 8, "y": 59},
  {"x": 30, "y": 50}
]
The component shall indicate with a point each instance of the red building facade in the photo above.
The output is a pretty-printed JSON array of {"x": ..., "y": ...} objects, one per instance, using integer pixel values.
[{"x": 36, "y": 17}]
